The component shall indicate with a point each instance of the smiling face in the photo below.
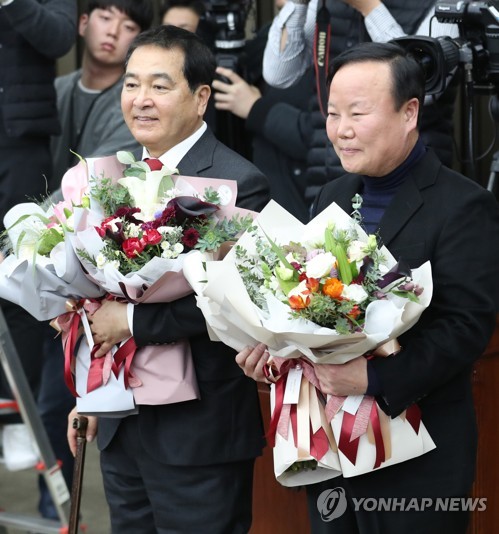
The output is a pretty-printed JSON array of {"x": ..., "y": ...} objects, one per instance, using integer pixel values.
[
  {"x": 108, "y": 34},
  {"x": 158, "y": 106},
  {"x": 368, "y": 133}
]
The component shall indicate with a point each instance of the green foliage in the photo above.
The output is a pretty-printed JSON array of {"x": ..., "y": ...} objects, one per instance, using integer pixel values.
[{"x": 110, "y": 196}]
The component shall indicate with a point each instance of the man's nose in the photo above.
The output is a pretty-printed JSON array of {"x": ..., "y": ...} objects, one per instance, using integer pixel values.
[{"x": 345, "y": 128}]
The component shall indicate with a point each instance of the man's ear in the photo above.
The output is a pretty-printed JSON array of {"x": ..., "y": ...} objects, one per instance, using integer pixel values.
[
  {"x": 203, "y": 93},
  {"x": 82, "y": 24},
  {"x": 411, "y": 112}
]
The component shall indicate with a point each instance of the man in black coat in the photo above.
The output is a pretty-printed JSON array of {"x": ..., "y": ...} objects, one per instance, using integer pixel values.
[
  {"x": 422, "y": 211},
  {"x": 33, "y": 35},
  {"x": 185, "y": 467}
]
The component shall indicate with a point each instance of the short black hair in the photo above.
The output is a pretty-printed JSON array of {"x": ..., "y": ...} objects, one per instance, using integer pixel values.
[
  {"x": 140, "y": 11},
  {"x": 195, "y": 5},
  {"x": 408, "y": 78},
  {"x": 199, "y": 61}
]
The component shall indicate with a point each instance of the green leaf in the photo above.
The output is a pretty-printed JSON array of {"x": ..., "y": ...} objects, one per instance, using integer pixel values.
[
  {"x": 125, "y": 157},
  {"x": 286, "y": 285},
  {"x": 134, "y": 171},
  {"x": 48, "y": 241},
  {"x": 279, "y": 253}
]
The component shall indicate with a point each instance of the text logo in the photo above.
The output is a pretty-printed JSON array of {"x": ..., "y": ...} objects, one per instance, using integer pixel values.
[{"x": 332, "y": 503}]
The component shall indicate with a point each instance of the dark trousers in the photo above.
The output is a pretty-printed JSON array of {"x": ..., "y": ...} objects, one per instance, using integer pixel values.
[
  {"x": 146, "y": 496},
  {"x": 341, "y": 517}
]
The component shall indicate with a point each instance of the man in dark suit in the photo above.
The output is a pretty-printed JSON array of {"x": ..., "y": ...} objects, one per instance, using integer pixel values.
[
  {"x": 185, "y": 467},
  {"x": 421, "y": 211}
]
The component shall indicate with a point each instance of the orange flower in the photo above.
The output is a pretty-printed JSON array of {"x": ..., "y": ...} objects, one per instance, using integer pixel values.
[
  {"x": 332, "y": 288},
  {"x": 313, "y": 284},
  {"x": 297, "y": 302},
  {"x": 354, "y": 312}
]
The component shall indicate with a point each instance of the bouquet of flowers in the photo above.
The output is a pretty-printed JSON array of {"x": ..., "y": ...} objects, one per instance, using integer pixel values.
[
  {"x": 132, "y": 240},
  {"x": 330, "y": 296},
  {"x": 127, "y": 230},
  {"x": 40, "y": 261}
]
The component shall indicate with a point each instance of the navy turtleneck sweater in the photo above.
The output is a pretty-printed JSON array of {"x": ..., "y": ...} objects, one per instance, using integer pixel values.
[{"x": 377, "y": 193}]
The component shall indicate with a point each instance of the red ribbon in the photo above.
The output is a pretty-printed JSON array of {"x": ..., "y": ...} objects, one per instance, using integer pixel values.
[
  {"x": 68, "y": 324},
  {"x": 283, "y": 415},
  {"x": 348, "y": 446},
  {"x": 378, "y": 436},
  {"x": 124, "y": 355},
  {"x": 413, "y": 415},
  {"x": 280, "y": 387}
]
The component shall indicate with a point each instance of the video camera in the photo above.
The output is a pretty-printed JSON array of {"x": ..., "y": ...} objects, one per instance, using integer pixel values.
[
  {"x": 223, "y": 26},
  {"x": 477, "y": 47},
  {"x": 227, "y": 20}
]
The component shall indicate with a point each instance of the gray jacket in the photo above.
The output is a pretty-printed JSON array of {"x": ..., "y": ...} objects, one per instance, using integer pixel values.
[{"x": 104, "y": 131}]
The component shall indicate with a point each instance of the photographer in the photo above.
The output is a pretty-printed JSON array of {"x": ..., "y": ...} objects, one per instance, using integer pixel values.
[
  {"x": 290, "y": 50},
  {"x": 276, "y": 121}
]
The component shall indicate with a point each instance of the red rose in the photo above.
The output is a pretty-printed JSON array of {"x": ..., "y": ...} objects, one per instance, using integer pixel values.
[
  {"x": 151, "y": 237},
  {"x": 132, "y": 247},
  {"x": 101, "y": 230}
]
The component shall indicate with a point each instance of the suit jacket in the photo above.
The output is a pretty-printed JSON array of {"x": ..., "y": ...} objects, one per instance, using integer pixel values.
[
  {"x": 225, "y": 424},
  {"x": 441, "y": 216}
]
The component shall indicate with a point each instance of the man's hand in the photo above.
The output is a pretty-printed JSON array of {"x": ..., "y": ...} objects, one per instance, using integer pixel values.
[
  {"x": 73, "y": 432},
  {"x": 237, "y": 97},
  {"x": 344, "y": 379},
  {"x": 251, "y": 361},
  {"x": 364, "y": 6},
  {"x": 109, "y": 325}
]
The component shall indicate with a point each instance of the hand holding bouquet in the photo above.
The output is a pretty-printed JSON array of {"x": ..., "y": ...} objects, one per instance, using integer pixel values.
[{"x": 330, "y": 295}]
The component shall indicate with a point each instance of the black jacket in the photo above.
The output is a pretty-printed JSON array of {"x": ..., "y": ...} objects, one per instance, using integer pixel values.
[{"x": 33, "y": 34}]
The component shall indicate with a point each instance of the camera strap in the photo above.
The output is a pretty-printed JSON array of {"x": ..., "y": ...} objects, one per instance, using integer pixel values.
[{"x": 322, "y": 39}]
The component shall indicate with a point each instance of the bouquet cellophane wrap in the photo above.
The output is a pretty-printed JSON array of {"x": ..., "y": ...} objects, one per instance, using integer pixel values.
[
  {"x": 235, "y": 320},
  {"x": 39, "y": 284},
  {"x": 161, "y": 374}
]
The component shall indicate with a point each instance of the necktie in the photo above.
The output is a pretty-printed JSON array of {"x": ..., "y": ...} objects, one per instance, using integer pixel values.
[{"x": 154, "y": 164}]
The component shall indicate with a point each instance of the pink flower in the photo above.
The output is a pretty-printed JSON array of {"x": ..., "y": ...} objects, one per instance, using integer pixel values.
[{"x": 59, "y": 208}]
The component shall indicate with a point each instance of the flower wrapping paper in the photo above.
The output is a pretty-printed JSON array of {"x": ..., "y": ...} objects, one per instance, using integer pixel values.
[
  {"x": 42, "y": 285},
  {"x": 235, "y": 320},
  {"x": 161, "y": 374}
]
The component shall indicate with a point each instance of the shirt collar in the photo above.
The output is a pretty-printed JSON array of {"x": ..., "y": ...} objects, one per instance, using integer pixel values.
[{"x": 173, "y": 157}]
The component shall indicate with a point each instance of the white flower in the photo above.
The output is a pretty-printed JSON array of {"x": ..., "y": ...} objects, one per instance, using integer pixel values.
[
  {"x": 320, "y": 265},
  {"x": 356, "y": 251},
  {"x": 145, "y": 192},
  {"x": 167, "y": 254},
  {"x": 133, "y": 230},
  {"x": 355, "y": 293},
  {"x": 171, "y": 193},
  {"x": 112, "y": 224},
  {"x": 178, "y": 248},
  {"x": 100, "y": 261},
  {"x": 165, "y": 245}
]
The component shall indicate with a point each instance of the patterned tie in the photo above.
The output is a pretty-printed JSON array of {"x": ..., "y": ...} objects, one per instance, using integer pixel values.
[{"x": 154, "y": 164}]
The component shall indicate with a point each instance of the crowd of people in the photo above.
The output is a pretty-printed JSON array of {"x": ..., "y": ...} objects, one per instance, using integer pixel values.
[{"x": 361, "y": 127}]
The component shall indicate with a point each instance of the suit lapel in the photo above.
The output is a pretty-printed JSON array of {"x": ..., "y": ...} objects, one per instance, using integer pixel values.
[
  {"x": 408, "y": 198},
  {"x": 200, "y": 156}
]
